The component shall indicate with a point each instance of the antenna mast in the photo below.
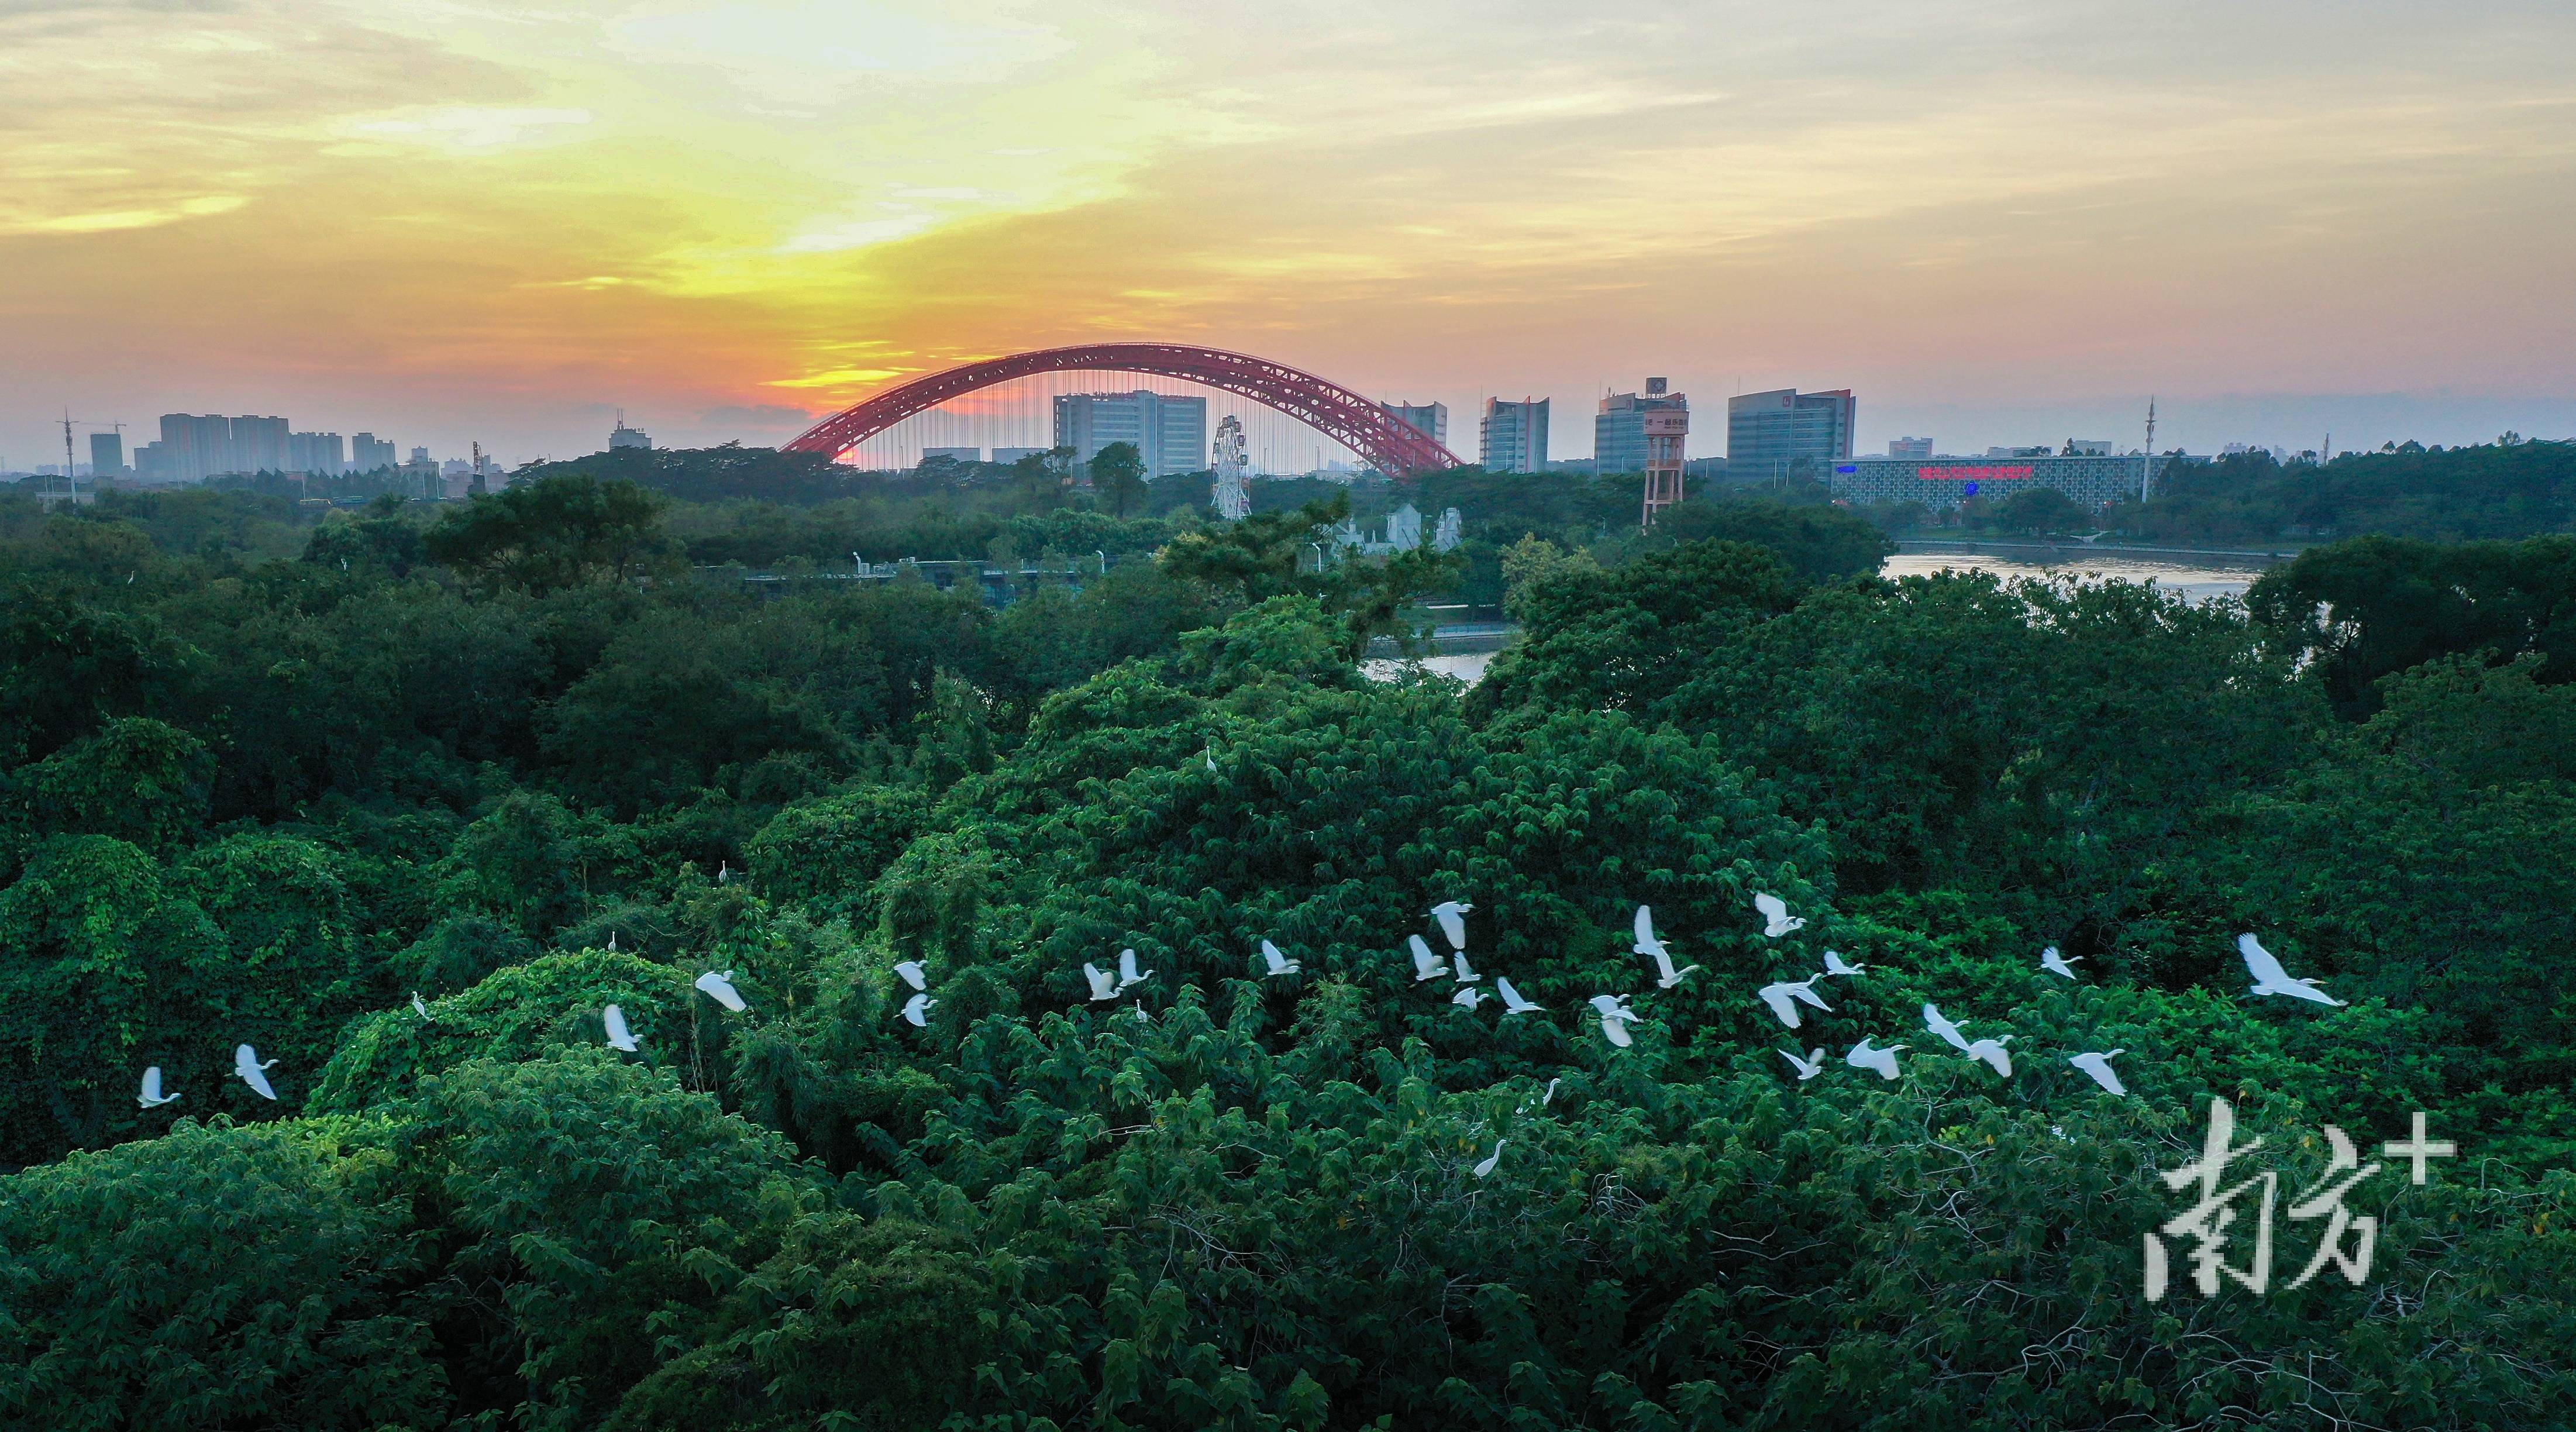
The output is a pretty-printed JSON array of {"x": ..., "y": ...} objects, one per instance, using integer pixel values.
[{"x": 2147, "y": 474}]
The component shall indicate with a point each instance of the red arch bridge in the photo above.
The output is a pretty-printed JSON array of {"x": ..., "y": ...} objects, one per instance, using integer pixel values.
[{"x": 1382, "y": 440}]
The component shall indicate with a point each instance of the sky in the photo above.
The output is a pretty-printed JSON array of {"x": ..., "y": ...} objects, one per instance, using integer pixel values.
[{"x": 1998, "y": 221}]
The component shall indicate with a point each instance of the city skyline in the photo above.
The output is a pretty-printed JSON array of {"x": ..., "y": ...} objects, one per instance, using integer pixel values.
[{"x": 726, "y": 219}]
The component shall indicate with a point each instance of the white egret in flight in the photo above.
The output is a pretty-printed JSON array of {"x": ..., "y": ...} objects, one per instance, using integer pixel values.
[
  {"x": 1939, "y": 1023},
  {"x": 1426, "y": 965},
  {"x": 1452, "y": 915},
  {"x": 719, "y": 987},
  {"x": 1785, "y": 996},
  {"x": 1467, "y": 995},
  {"x": 1776, "y": 919},
  {"x": 1666, "y": 976},
  {"x": 2057, "y": 964},
  {"x": 1863, "y": 1056},
  {"x": 2099, "y": 1066},
  {"x": 1104, "y": 985},
  {"x": 2270, "y": 978},
  {"x": 916, "y": 1010},
  {"x": 1616, "y": 1016},
  {"x": 910, "y": 972},
  {"x": 1462, "y": 971},
  {"x": 618, "y": 1035},
  {"x": 1835, "y": 964},
  {"x": 1512, "y": 1001},
  {"x": 1647, "y": 943},
  {"x": 1278, "y": 963},
  {"x": 247, "y": 1066},
  {"x": 1809, "y": 1067},
  {"x": 1128, "y": 974},
  {"x": 151, "y": 1096},
  {"x": 1993, "y": 1053}
]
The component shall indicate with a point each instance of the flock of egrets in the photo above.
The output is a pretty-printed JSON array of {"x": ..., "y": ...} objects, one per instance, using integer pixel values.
[{"x": 1782, "y": 997}]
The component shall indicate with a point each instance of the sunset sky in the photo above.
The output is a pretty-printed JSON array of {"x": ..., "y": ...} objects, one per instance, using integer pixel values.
[{"x": 1998, "y": 220}]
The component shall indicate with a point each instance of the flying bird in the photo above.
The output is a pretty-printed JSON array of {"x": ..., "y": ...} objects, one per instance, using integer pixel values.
[
  {"x": 1462, "y": 971},
  {"x": 1467, "y": 995},
  {"x": 151, "y": 1096},
  {"x": 1668, "y": 976},
  {"x": 1809, "y": 1067},
  {"x": 419, "y": 1006},
  {"x": 1104, "y": 985},
  {"x": 1647, "y": 944},
  {"x": 1862, "y": 1056},
  {"x": 1279, "y": 964},
  {"x": 618, "y": 1035},
  {"x": 1128, "y": 974},
  {"x": 910, "y": 970},
  {"x": 1491, "y": 1159},
  {"x": 1426, "y": 965},
  {"x": 2057, "y": 964},
  {"x": 1777, "y": 920},
  {"x": 1616, "y": 1016},
  {"x": 1452, "y": 915},
  {"x": 917, "y": 1010},
  {"x": 1784, "y": 997},
  {"x": 2270, "y": 978},
  {"x": 719, "y": 987},
  {"x": 1512, "y": 1001},
  {"x": 1939, "y": 1023},
  {"x": 1993, "y": 1053},
  {"x": 2099, "y": 1066},
  {"x": 247, "y": 1067},
  {"x": 1835, "y": 964}
]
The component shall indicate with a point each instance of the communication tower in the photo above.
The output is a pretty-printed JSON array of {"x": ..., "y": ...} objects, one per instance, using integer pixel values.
[
  {"x": 1232, "y": 496},
  {"x": 1667, "y": 429}
]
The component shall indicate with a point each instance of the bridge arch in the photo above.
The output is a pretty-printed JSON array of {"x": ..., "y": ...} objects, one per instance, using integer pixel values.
[{"x": 1384, "y": 441}]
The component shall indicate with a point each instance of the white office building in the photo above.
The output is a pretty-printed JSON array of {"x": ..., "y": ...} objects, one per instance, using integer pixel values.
[{"x": 1170, "y": 433}]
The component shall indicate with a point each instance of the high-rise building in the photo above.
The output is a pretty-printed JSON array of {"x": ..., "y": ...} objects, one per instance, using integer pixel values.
[
  {"x": 369, "y": 453},
  {"x": 106, "y": 455},
  {"x": 1429, "y": 419},
  {"x": 317, "y": 453},
  {"x": 1909, "y": 447},
  {"x": 1513, "y": 436},
  {"x": 1170, "y": 433},
  {"x": 622, "y": 436},
  {"x": 1768, "y": 434},
  {"x": 1619, "y": 428},
  {"x": 259, "y": 445},
  {"x": 193, "y": 449}
]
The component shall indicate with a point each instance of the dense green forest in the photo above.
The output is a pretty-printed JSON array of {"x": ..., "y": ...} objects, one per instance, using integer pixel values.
[{"x": 267, "y": 779}]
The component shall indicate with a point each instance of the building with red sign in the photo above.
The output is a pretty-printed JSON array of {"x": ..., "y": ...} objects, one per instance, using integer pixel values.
[{"x": 1940, "y": 483}]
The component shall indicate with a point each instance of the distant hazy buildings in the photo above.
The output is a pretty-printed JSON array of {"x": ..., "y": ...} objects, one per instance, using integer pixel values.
[
  {"x": 953, "y": 454},
  {"x": 318, "y": 453},
  {"x": 1513, "y": 436},
  {"x": 1171, "y": 433},
  {"x": 1909, "y": 447},
  {"x": 1429, "y": 419},
  {"x": 368, "y": 453},
  {"x": 106, "y": 455},
  {"x": 1940, "y": 483},
  {"x": 1619, "y": 428},
  {"x": 1009, "y": 455},
  {"x": 194, "y": 448},
  {"x": 1769, "y": 433},
  {"x": 622, "y": 436}
]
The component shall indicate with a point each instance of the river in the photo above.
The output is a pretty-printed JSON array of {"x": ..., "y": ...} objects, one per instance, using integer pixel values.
[{"x": 2194, "y": 576}]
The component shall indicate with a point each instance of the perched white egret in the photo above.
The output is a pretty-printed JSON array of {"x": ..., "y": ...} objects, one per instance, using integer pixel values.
[
  {"x": 619, "y": 1037},
  {"x": 2057, "y": 964},
  {"x": 2270, "y": 978},
  {"x": 1647, "y": 943},
  {"x": 1993, "y": 1053},
  {"x": 1835, "y": 964},
  {"x": 2099, "y": 1066},
  {"x": 1512, "y": 1001},
  {"x": 1467, "y": 996},
  {"x": 247, "y": 1066},
  {"x": 151, "y": 1096},
  {"x": 1491, "y": 1159},
  {"x": 1278, "y": 963},
  {"x": 1544, "y": 1096},
  {"x": 1666, "y": 976},
  {"x": 719, "y": 987},
  {"x": 910, "y": 973},
  {"x": 1128, "y": 974},
  {"x": 1104, "y": 985},
  {"x": 916, "y": 1010},
  {"x": 1809, "y": 1067},
  {"x": 1863, "y": 1056},
  {"x": 1143, "y": 1016},
  {"x": 724, "y": 873},
  {"x": 1210, "y": 755},
  {"x": 1452, "y": 915},
  {"x": 1784, "y": 997},
  {"x": 612, "y": 942},
  {"x": 1460, "y": 970},
  {"x": 1776, "y": 919},
  {"x": 1426, "y": 965},
  {"x": 419, "y": 1006},
  {"x": 1939, "y": 1023}
]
